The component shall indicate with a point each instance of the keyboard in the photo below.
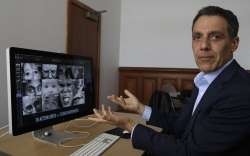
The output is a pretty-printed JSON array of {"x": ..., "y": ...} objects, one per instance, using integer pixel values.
[{"x": 96, "y": 146}]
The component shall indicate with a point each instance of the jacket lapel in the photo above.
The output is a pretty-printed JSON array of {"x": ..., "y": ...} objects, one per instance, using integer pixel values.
[
  {"x": 186, "y": 113},
  {"x": 211, "y": 93}
]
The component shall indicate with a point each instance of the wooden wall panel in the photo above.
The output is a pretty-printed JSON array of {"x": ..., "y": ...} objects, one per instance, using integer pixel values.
[
  {"x": 144, "y": 81},
  {"x": 130, "y": 83},
  {"x": 149, "y": 85},
  {"x": 187, "y": 84}
]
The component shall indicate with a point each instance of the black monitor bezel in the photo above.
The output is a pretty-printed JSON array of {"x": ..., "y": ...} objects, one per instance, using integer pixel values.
[{"x": 15, "y": 50}]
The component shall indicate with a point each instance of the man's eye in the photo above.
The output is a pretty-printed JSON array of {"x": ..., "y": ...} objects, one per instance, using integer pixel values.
[
  {"x": 196, "y": 37},
  {"x": 215, "y": 37}
]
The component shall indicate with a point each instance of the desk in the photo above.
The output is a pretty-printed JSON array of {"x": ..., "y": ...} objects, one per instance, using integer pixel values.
[{"x": 25, "y": 145}]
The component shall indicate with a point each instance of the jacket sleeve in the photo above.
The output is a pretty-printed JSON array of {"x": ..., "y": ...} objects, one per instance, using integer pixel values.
[
  {"x": 162, "y": 119},
  {"x": 224, "y": 126},
  {"x": 168, "y": 121}
]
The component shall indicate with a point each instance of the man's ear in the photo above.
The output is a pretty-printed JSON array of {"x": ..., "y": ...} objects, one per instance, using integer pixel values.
[{"x": 235, "y": 43}]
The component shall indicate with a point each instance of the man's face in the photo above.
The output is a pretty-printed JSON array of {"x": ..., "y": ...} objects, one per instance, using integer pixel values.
[
  {"x": 66, "y": 91},
  {"x": 211, "y": 43},
  {"x": 49, "y": 71},
  {"x": 31, "y": 72}
]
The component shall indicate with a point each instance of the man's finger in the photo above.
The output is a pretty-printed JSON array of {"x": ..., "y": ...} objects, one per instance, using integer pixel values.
[
  {"x": 129, "y": 94},
  {"x": 112, "y": 98},
  {"x": 109, "y": 111},
  {"x": 98, "y": 115},
  {"x": 116, "y": 100},
  {"x": 103, "y": 110}
]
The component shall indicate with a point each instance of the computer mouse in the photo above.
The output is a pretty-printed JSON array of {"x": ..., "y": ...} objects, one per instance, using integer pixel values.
[{"x": 125, "y": 132}]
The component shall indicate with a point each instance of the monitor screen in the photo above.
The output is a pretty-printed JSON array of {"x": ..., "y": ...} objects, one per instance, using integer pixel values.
[{"x": 45, "y": 88}]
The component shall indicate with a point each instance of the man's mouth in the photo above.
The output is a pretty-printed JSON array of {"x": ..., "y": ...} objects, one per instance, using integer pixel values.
[{"x": 205, "y": 58}]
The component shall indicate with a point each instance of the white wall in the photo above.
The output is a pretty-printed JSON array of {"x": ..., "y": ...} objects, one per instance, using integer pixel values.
[
  {"x": 38, "y": 24},
  {"x": 157, "y": 33}
]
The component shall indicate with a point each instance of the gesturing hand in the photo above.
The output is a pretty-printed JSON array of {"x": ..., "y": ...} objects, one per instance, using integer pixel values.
[
  {"x": 107, "y": 116},
  {"x": 131, "y": 103}
]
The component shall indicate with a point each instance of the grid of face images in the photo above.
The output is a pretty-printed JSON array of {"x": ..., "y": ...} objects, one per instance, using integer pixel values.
[{"x": 48, "y": 87}]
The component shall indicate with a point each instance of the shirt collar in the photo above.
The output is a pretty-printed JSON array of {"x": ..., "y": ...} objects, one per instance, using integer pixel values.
[{"x": 207, "y": 78}]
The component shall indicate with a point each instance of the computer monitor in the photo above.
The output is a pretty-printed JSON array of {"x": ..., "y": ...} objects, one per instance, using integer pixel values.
[{"x": 46, "y": 88}]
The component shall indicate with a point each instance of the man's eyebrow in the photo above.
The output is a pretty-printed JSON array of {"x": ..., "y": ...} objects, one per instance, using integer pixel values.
[
  {"x": 210, "y": 33},
  {"x": 216, "y": 33},
  {"x": 196, "y": 34}
]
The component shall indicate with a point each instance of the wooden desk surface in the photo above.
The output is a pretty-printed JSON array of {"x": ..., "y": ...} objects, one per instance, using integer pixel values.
[{"x": 26, "y": 145}]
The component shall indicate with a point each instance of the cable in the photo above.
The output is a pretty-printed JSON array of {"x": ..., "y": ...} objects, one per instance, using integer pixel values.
[
  {"x": 76, "y": 131},
  {"x": 61, "y": 142},
  {"x": 5, "y": 133},
  {"x": 2, "y": 135},
  {"x": 84, "y": 126},
  {"x": 73, "y": 131},
  {"x": 69, "y": 146},
  {"x": 5, "y": 126},
  {"x": 81, "y": 132}
]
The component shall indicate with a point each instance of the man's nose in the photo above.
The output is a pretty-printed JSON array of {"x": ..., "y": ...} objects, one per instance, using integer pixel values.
[{"x": 205, "y": 44}]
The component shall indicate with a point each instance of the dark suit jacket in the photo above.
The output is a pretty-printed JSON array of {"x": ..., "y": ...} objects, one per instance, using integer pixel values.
[{"x": 219, "y": 126}]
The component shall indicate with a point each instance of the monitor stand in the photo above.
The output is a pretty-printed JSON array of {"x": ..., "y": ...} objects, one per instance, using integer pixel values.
[{"x": 49, "y": 135}]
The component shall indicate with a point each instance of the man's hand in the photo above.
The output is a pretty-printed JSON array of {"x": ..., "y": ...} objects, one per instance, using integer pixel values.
[
  {"x": 130, "y": 104},
  {"x": 107, "y": 116}
]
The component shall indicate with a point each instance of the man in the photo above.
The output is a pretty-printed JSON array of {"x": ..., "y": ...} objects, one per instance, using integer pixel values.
[{"x": 216, "y": 120}]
